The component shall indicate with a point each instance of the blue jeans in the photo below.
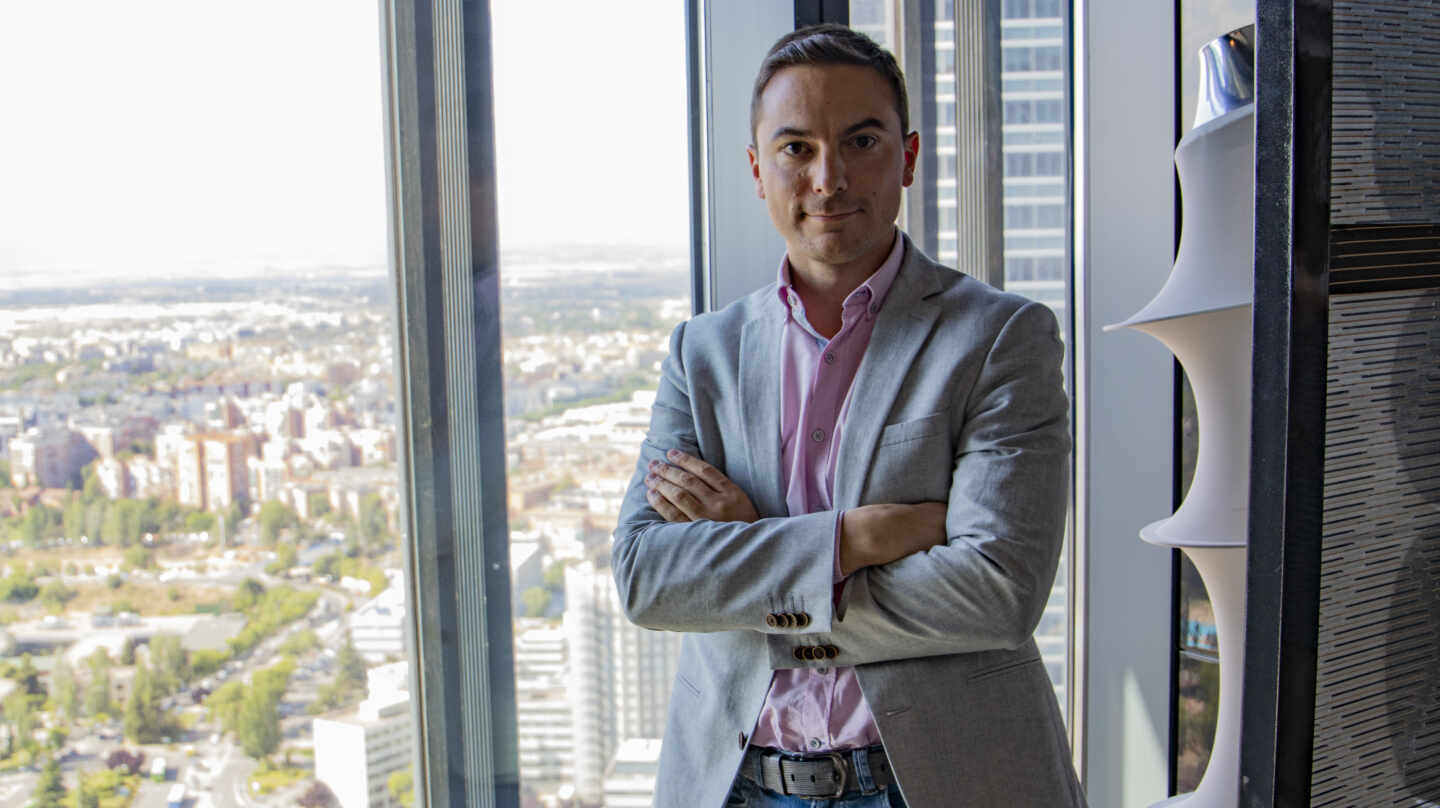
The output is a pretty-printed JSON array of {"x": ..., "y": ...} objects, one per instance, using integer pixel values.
[{"x": 746, "y": 793}]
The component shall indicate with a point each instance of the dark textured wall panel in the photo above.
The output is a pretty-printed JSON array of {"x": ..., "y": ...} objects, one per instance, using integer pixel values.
[
  {"x": 1385, "y": 147},
  {"x": 1381, "y": 258},
  {"x": 1377, "y": 706}
]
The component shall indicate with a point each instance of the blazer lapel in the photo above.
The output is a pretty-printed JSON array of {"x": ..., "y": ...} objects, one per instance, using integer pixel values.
[
  {"x": 904, "y": 323},
  {"x": 760, "y": 407}
]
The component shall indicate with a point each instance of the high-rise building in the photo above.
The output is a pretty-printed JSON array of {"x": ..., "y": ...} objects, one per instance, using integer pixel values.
[
  {"x": 227, "y": 479},
  {"x": 543, "y": 709},
  {"x": 49, "y": 457},
  {"x": 620, "y": 675},
  {"x": 630, "y": 779},
  {"x": 189, "y": 454},
  {"x": 114, "y": 477},
  {"x": 377, "y": 628},
  {"x": 356, "y": 753}
]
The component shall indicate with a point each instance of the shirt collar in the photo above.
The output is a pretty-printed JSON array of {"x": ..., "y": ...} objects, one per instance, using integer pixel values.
[{"x": 872, "y": 292}]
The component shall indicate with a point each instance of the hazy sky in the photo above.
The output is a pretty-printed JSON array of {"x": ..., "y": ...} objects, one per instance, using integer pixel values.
[{"x": 150, "y": 138}]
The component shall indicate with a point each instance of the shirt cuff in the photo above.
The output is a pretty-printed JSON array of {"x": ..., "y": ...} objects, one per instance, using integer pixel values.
[{"x": 838, "y": 590}]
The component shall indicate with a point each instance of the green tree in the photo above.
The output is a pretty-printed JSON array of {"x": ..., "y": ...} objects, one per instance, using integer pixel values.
[
  {"x": 319, "y": 504},
  {"x": 32, "y": 526},
  {"x": 20, "y": 718},
  {"x": 285, "y": 558},
  {"x": 350, "y": 666},
  {"x": 112, "y": 527},
  {"x": 274, "y": 518},
  {"x": 73, "y": 518},
  {"x": 86, "y": 797},
  {"x": 139, "y": 558},
  {"x": 91, "y": 491},
  {"x": 402, "y": 787},
  {"x": 248, "y": 594},
  {"x": 142, "y": 716},
  {"x": 27, "y": 676},
  {"x": 223, "y": 705},
  {"x": 18, "y": 587},
  {"x": 258, "y": 725},
  {"x": 64, "y": 690},
  {"x": 97, "y": 690},
  {"x": 94, "y": 520},
  {"x": 170, "y": 662},
  {"x": 328, "y": 564},
  {"x": 373, "y": 526},
  {"x": 536, "y": 600},
  {"x": 301, "y": 642},
  {"x": 56, "y": 594},
  {"x": 49, "y": 789},
  {"x": 199, "y": 522}
]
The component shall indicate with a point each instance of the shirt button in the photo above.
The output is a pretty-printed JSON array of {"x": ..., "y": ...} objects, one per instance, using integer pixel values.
[
  {"x": 814, "y": 743},
  {"x": 818, "y": 435},
  {"x": 830, "y": 357}
]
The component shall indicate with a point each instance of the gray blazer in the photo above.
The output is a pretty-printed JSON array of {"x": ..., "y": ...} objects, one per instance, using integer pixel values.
[{"x": 959, "y": 398}]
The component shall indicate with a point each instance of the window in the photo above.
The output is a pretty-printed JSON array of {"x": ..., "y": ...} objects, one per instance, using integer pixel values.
[
  {"x": 587, "y": 306},
  {"x": 199, "y": 399},
  {"x": 1035, "y": 186}
]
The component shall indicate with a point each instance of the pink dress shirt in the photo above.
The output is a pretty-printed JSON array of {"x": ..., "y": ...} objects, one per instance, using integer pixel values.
[{"x": 820, "y": 709}]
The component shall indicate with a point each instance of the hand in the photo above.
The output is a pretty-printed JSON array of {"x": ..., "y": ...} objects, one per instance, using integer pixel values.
[
  {"x": 871, "y": 535},
  {"x": 688, "y": 488}
]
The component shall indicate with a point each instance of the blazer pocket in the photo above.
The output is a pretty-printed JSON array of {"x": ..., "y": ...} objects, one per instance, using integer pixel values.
[
  {"x": 1004, "y": 668},
  {"x": 914, "y": 429}
]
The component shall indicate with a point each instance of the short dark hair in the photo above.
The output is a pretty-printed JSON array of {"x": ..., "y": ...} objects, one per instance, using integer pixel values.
[{"x": 829, "y": 44}]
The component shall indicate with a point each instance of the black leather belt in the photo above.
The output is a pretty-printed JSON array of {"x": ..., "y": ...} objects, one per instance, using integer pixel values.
[{"x": 826, "y": 775}]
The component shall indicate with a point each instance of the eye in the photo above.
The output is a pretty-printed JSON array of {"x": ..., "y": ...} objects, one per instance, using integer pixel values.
[
  {"x": 865, "y": 141},
  {"x": 794, "y": 148}
]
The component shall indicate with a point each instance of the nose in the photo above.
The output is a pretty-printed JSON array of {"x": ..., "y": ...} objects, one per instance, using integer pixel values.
[{"x": 827, "y": 174}]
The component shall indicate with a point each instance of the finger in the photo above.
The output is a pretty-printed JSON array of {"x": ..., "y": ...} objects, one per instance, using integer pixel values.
[
  {"x": 712, "y": 476},
  {"x": 688, "y": 503},
  {"x": 682, "y": 478},
  {"x": 665, "y": 507}
]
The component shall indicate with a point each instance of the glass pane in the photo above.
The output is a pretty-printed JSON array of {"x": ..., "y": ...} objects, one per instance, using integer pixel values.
[
  {"x": 875, "y": 19},
  {"x": 1197, "y": 709},
  {"x": 594, "y": 276},
  {"x": 1034, "y": 81},
  {"x": 202, "y": 590}
]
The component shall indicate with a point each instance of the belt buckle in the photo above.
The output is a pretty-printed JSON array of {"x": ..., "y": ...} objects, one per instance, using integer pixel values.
[{"x": 839, "y": 761}]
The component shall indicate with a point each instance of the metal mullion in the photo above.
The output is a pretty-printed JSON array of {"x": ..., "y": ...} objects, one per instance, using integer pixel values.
[
  {"x": 979, "y": 188},
  {"x": 441, "y": 180}
]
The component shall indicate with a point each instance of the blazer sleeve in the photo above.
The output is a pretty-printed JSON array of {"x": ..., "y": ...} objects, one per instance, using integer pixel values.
[
  {"x": 714, "y": 576},
  {"x": 987, "y": 586}
]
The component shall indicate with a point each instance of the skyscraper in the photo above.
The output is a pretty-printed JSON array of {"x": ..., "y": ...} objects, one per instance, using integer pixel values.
[{"x": 620, "y": 675}]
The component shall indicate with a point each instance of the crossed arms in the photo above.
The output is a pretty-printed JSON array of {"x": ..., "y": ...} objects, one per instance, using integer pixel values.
[{"x": 692, "y": 554}]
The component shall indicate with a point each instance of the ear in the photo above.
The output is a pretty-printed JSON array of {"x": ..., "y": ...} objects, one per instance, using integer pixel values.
[
  {"x": 912, "y": 154},
  {"x": 755, "y": 171}
]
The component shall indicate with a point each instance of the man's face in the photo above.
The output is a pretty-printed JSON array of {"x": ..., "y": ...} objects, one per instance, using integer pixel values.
[{"x": 830, "y": 161}]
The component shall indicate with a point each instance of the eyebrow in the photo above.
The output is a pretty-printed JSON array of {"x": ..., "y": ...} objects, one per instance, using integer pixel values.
[{"x": 791, "y": 131}]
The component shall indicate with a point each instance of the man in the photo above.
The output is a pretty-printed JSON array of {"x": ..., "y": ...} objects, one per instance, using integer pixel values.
[{"x": 852, "y": 493}]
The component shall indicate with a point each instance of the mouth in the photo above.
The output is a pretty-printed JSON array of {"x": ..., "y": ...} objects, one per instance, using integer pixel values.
[{"x": 833, "y": 216}]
